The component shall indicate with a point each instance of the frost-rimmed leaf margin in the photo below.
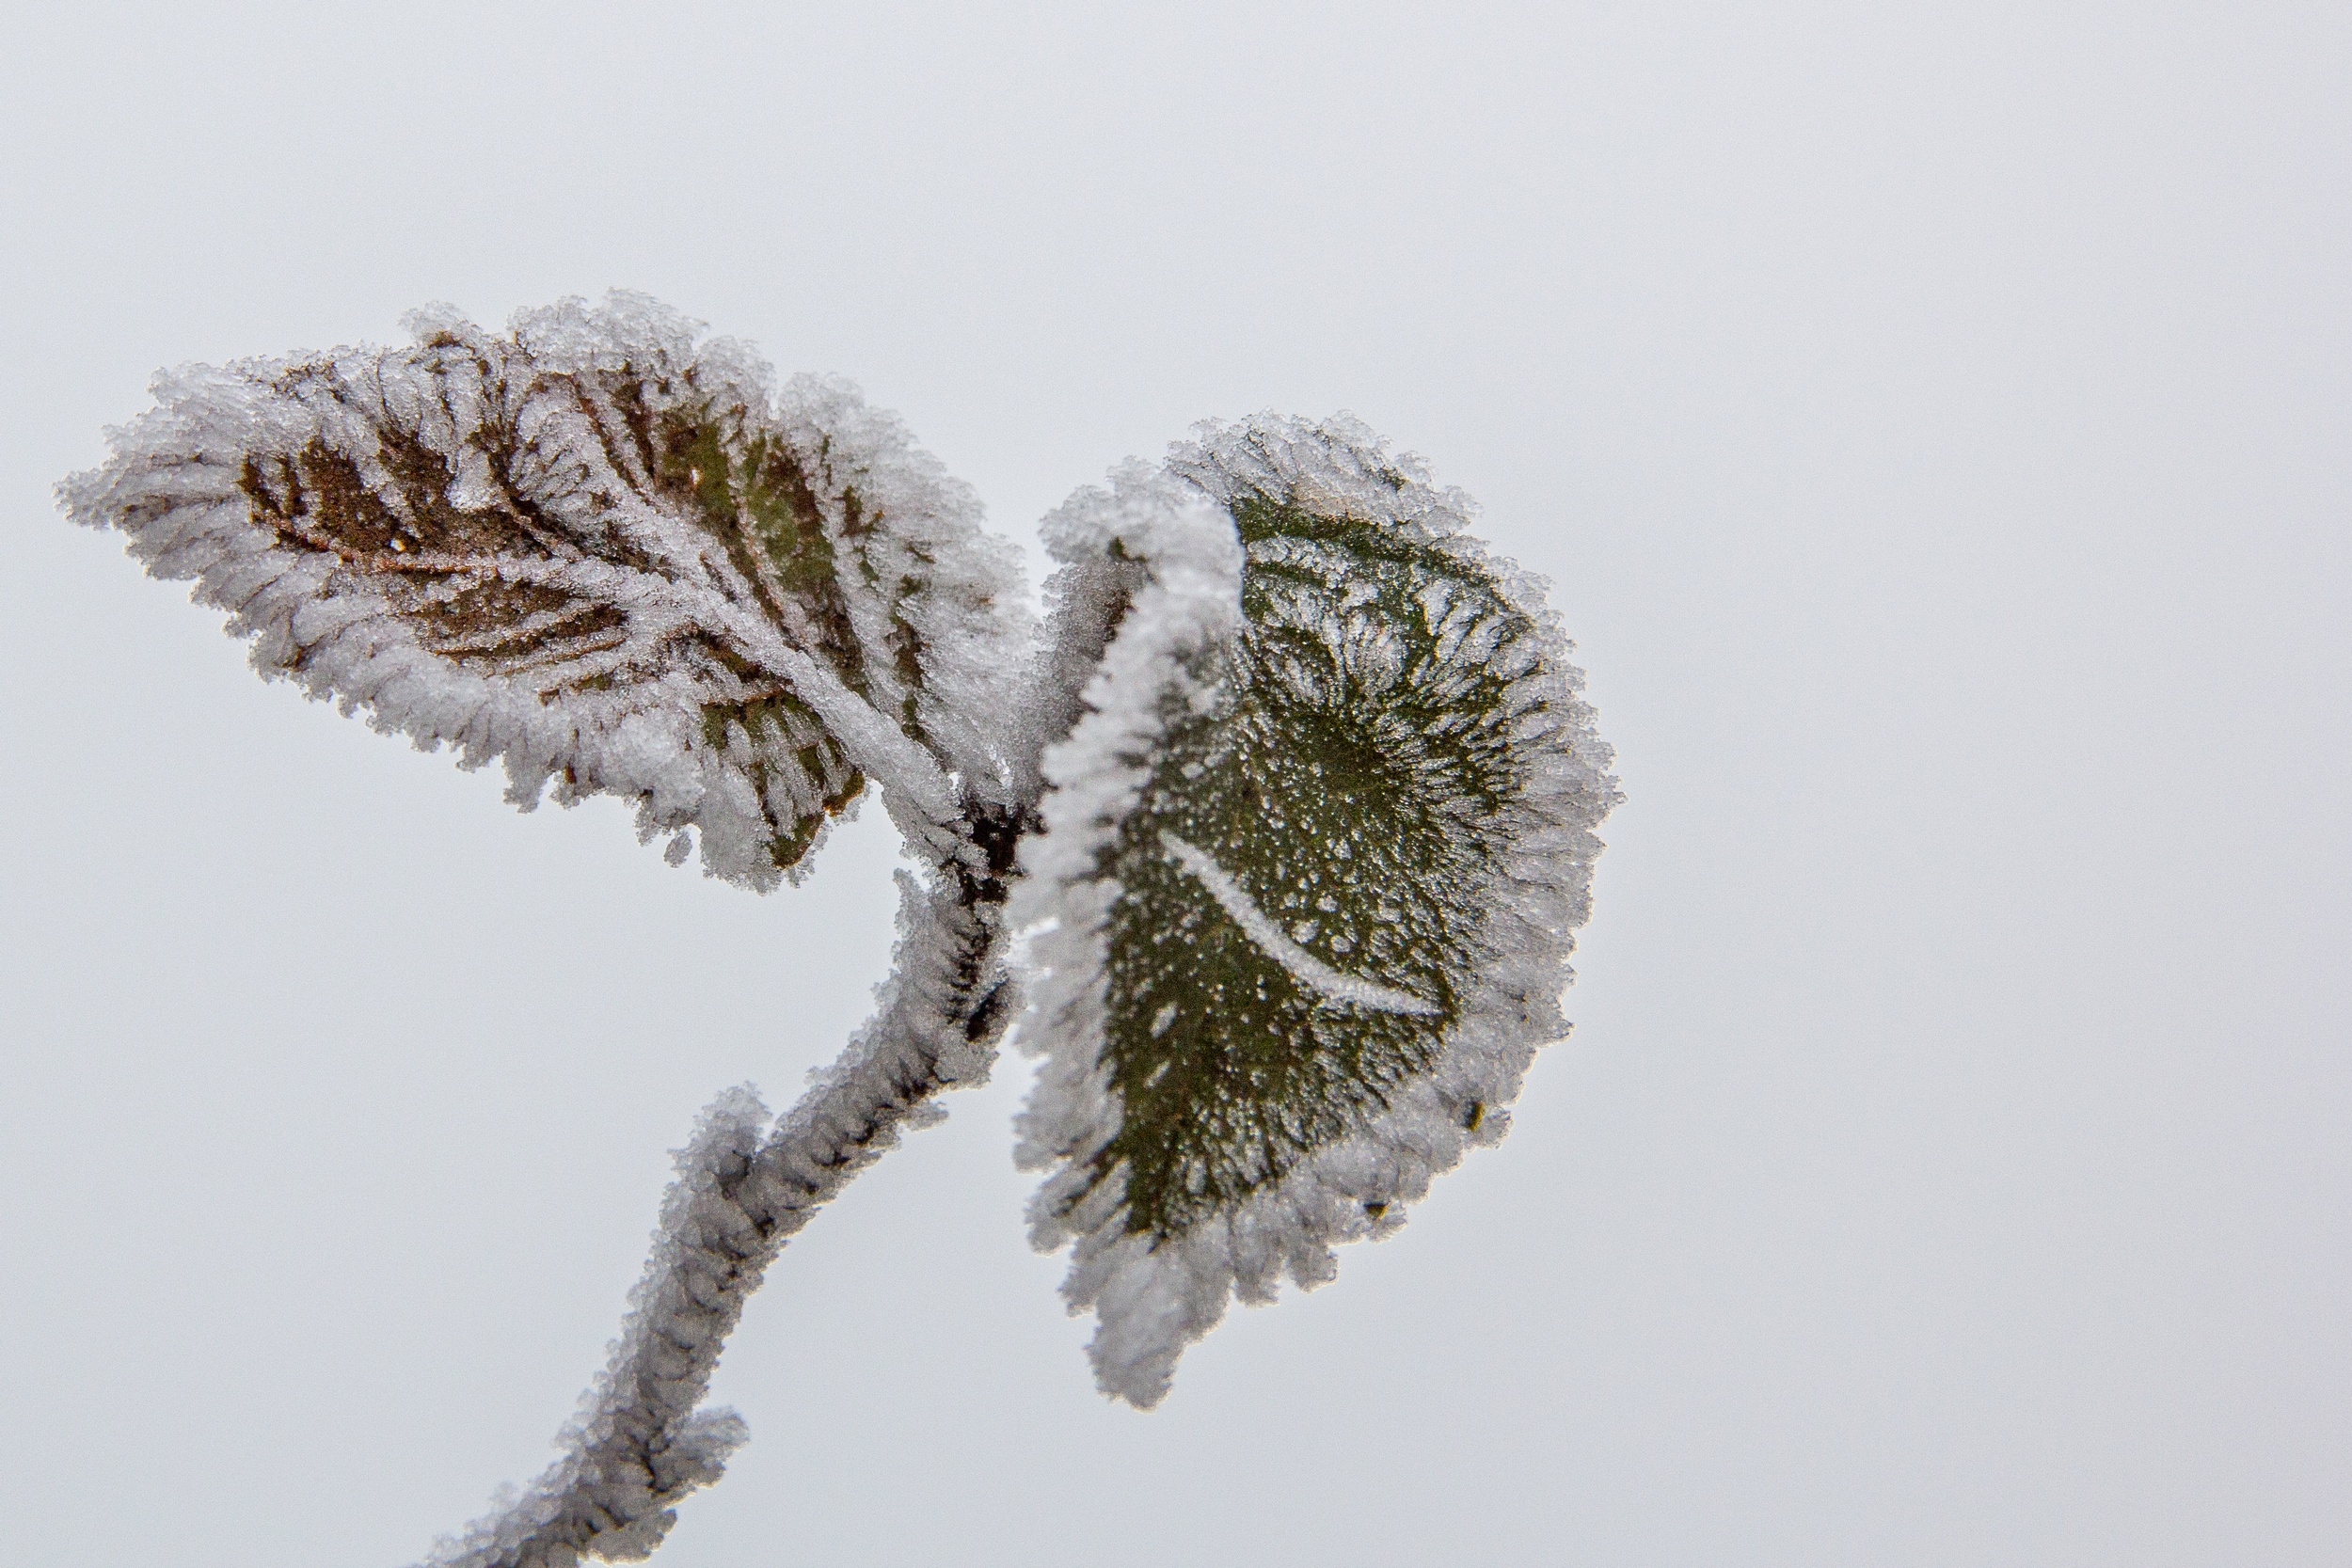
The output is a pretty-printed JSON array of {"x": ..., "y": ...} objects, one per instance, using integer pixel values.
[
  {"x": 1155, "y": 1294},
  {"x": 605, "y": 550},
  {"x": 1151, "y": 569}
]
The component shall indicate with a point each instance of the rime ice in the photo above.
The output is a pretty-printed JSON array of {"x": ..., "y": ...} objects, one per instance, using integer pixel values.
[
  {"x": 1297, "y": 775},
  {"x": 642, "y": 1440},
  {"x": 601, "y": 551},
  {"x": 1313, "y": 858}
]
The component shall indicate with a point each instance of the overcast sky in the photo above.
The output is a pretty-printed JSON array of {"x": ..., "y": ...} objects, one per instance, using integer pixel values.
[{"x": 1934, "y": 423}]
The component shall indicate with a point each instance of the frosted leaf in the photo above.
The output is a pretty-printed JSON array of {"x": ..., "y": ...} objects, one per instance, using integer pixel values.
[
  {"x": 603, "y": 551},
  {"x": 1314, "y": 852}
]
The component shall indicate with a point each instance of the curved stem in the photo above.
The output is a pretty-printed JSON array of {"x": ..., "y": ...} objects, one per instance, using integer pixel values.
[{"x": 640, "y": 1442}]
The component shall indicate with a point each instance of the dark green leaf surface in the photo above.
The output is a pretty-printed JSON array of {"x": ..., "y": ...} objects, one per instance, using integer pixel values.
[
  {"x": 1350, "y": 786},
  {"x": 1308, "y": 884}
]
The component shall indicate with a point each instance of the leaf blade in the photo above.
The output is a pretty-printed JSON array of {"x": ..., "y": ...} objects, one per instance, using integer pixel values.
[
  {"x": 1300, "y": 953},
  {"x": 599, "y": 549}
]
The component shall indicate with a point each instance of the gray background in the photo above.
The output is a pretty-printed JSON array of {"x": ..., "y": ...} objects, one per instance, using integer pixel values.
[{"x": 1934, "y": 423}]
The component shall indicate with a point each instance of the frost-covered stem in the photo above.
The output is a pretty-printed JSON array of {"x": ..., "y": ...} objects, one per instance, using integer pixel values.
[{"x": 639, "y": 1443}]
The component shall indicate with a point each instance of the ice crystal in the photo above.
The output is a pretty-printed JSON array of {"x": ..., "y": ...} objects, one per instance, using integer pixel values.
[
  {"x": 602, "y": 551},
  {"x": 1297, "y": 774},
  {"x": 642, "y": 1440},
  {"x": 1311, "y": 860}
]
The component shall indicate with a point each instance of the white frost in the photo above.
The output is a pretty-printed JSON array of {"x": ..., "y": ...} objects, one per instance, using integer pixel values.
[
  {"x": 609, "y": 637},
  {"x": 1152, "y": 1298},
  {"x": 642, "y": 1440},
  {"x": 579, "y": 622},
  {"x": 1304, "y": 967}
]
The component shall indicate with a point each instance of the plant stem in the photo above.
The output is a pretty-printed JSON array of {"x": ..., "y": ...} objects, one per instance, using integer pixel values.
[{"x": 640, "y": 1442}]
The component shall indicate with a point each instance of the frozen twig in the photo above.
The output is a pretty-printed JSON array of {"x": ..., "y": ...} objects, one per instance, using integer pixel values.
[{"x": 643, "y": 1439}]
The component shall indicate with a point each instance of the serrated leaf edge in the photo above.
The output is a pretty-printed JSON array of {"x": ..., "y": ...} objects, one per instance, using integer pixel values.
[{"x": 1152, "y": 1299}]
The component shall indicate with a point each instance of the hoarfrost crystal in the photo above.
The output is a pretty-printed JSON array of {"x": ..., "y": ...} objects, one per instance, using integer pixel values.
[
  {"x": 1309, "y": 867},
  {"x": 1308, "y": 969},
  {"x": 1297, "y": 775},
  {"x": 601, "y": 551}
]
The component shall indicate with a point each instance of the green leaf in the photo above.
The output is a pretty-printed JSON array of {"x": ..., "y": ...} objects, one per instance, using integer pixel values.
[{"x": 1308, "y": 882}]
